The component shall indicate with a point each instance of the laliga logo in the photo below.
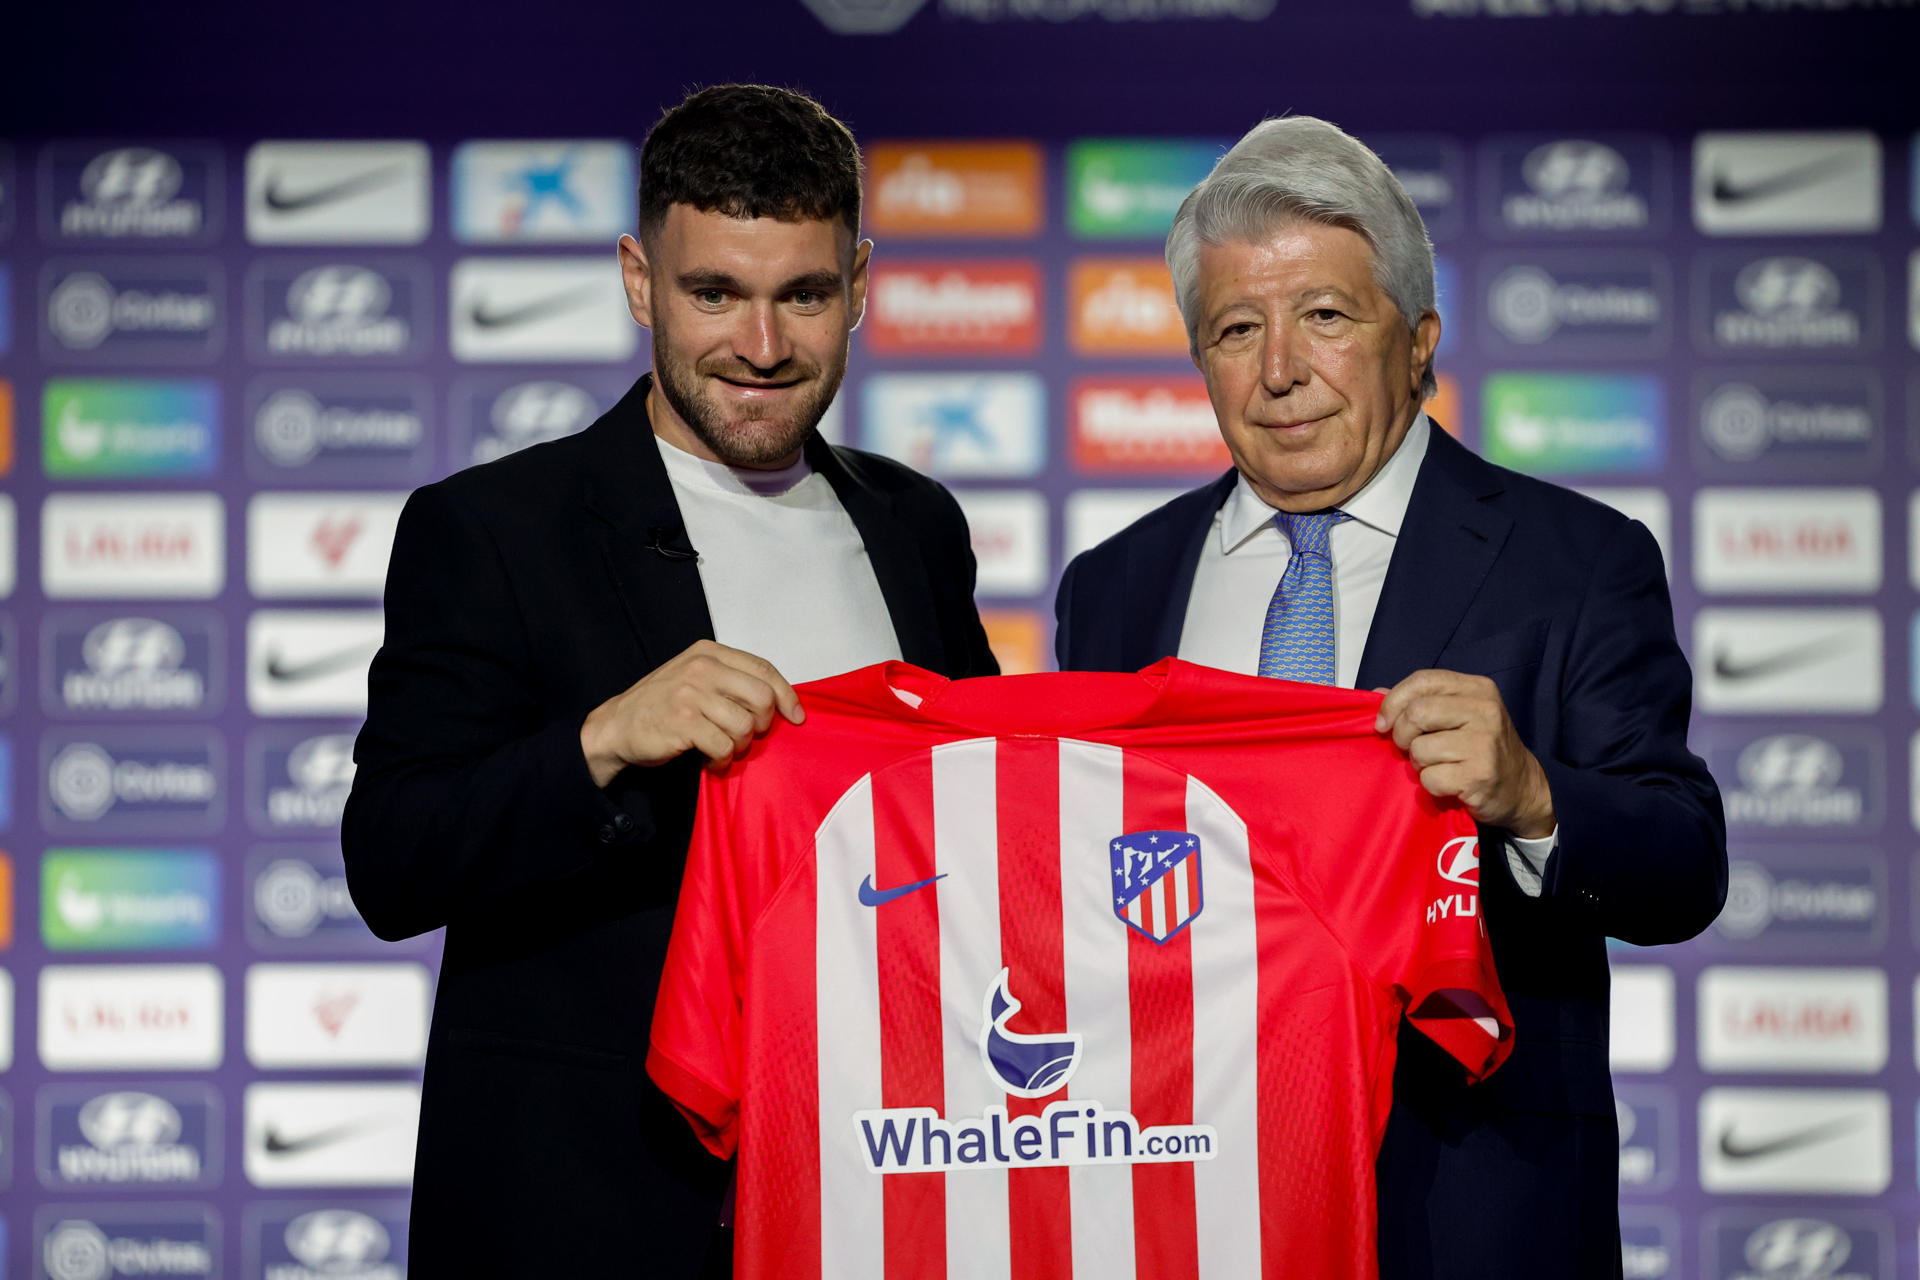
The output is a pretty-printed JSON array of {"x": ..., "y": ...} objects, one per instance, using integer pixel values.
[
  {"x": 1026, "y": 1066},
  {"x": 1798, "y": 1249},
  {"x": 335, "y": 1241}
]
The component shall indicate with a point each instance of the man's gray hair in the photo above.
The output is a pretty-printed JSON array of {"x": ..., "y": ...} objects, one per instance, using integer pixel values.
[{"x": 1301, "y": 169}]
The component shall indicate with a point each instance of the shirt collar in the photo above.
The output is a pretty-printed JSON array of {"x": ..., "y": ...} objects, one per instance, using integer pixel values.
[
  {"x": 1381, "y": 502},
  {"x": 700, "y": 473}
]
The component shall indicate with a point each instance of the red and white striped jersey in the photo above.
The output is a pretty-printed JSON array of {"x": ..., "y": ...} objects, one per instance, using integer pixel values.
[{"x": 1079, "y": 975}]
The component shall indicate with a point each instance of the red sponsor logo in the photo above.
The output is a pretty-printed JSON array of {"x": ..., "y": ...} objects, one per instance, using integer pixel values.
[
  {"x": 1145, "y": 424},
  {"x": 1814, "y": 538},
  {"x": 1793, "y": 1021},
  {"x": 139, "y": 545},
  {"x": 954, "y": 308},
  {"x": 333, "y": 538},
  {"x": 332, "y": 1011}
]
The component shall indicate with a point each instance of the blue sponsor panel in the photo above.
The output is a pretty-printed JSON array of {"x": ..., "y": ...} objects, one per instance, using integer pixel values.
[
  {"x": 126, "y": 1242},
  {"x": 297, "y": 903},
  {"x": 1433, "y": 169},
  {"x": 1585, "y": 186},
  {"x": 1827, "y": 778},
  {"x": 1813, "y": 302},
  {"x": 132, "y": 782},
  {"x": 546, "y": 192},
  {"x": 1793, "y": 422},
  {"x": 327, "y": 428},
  {"x": 1650, "y": 1244},
  {"x": 132, "y": 664},
  {"x": 149, "y": 194},
  {"x": 1602, "y": 303},
  {"x": 957, "y": 424},
  {"x": 493, "y": 415},
  {"x": 1792, "y": 1241},
  {"x": 325, "y": 1240},
  {"x": 135, "y": 311},
  {"x": 339, "y": 311},
  {"x": 297, "y": 779},
  {"x": 144, "y": 1137},
  {"x": 1802, "y": 901}
]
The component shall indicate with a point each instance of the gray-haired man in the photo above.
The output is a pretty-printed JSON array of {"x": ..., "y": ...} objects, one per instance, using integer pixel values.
[{"x": 1527, "y": 638}]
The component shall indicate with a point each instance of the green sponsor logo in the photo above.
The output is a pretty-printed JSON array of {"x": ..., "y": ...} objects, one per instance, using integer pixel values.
[
  {"x": 128, "y": 427},
  {"x": 1570, "y": 424},
  {"x": 114, "y": 900},
  {"x": 1122, "y": 189}
]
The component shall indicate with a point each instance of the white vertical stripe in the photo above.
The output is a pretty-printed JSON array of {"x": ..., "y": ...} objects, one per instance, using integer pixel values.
[
  {"x": 847, "y": 1000},
  {"x": 1092, "y": 813},
  {"x": 1226, "y": 994},
  {"x": 1136, "y": 911},
  {"x": 967, "y": 851},
  {"x": 1182, "y": 900},
  {"x": 1159, "y": 895}
]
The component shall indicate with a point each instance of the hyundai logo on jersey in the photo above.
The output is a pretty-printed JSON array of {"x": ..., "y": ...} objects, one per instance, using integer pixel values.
[
  {"x": 1156, "y": 881},
  {"x": 1026, "y": 1066}
]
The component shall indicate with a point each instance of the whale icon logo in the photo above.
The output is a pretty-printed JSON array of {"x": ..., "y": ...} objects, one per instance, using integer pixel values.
[{"x": 1026, "y": 1066}]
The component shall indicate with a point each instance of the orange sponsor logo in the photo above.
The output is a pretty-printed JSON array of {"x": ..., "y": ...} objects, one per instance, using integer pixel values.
[
  {"x": 1124, "y": 306},
  {"x": 955, "y": 188},
  {"x": 6, "y": 427},
  {"x": 1444, "y": 408},
  {"x": 1018, "y": 638},
  {"x": 954, "y": 308},
  {"x": 1145, "y": 424}
]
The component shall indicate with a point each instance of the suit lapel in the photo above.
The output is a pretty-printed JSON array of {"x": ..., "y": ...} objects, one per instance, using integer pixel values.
[
  {"x": 641, "y": 536},
  {"x": 895, "y": 552},
  {"x": 1160, "y": 578},
  {"x": 1448, "y": 542}
]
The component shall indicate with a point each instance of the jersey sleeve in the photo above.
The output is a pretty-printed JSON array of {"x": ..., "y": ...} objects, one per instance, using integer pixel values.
[
  {"x": 1402, "y": 888},
  {"x": 697, "y": 1050}
]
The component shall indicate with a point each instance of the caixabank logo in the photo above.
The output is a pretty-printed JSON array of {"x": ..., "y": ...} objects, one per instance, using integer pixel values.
[
  {"x": 1789, "y": 423},
  {"x": 548, "y": 192},
  {"x": 957, "y": 424},
  {"x": 1824, "y": 301},
  {"x": 1609, "y": 186},
  {"x": 169, "y": 194},
  {"x": 132, "y": 311},
  {"x": 357, "y": 428},
  {"x": 114, "y": 428},
  {"x": 150, "y": 1137}
]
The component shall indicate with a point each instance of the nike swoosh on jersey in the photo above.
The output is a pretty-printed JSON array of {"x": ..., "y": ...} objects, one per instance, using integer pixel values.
[
  {"x": 1727, "y": 191},
  {"x": 276, "y": 1145},
  {"x": 872, "y": 897},
  {"x": 1735, "y": 1150},
  {"x": 278, "y": 668},
  {"x": 1727, "y": 667},
  {"x": 282, "y": 201},
  {"x": 538, "y": 309}
]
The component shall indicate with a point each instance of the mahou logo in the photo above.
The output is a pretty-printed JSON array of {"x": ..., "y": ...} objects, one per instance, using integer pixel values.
[
  {"x": 1144, "y": 424},
  {"x": 954, "y": 308}
]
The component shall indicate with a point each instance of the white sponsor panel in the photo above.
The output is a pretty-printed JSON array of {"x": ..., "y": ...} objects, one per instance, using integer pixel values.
[
  {"x": 338, "y": 193},
  {"x": 6, "y": 1020},
  {"x": 557, "y": 191},
  {"x": 1814, "y": 183},
  {"x": 1811, "y": 1021},
  {"x": 1786, "y": 541},
  {"x": 1649, "y": 506},
  {"x": 1759, "y": 660},
  {"x": 1009, "y": 529},
  {"x": 539, "y": 309},
  {"x": 9, "y": 546},
  {"x": 1821, "y": 1141},
  {"x": 308, "y": 545},
  {"x": 337, "y": 1015},
  {"x": 957, "y": 424},
  {"x": 1094, "y": 515},
  {"x": 143, "y": 546},
  {"x": 1641, "y": 1018},
  {"x": 310, "y": 662},
  {"x": 155, "y": 1017},
  {"x": 331, "y": 1135}
]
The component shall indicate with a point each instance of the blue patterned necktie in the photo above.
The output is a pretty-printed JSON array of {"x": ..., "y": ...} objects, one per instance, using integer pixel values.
[{"x": 1297, "y": 641}]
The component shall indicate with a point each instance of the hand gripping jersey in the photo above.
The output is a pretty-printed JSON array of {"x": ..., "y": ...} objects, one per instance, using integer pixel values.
[{"x": 1081, "y": 975}]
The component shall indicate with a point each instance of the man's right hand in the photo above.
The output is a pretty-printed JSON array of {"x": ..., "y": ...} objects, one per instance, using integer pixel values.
[{"x": 709, "y": 699}]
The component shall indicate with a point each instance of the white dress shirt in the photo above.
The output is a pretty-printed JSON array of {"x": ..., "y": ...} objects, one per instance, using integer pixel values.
[
  {"x": 783, "y": 568},
  {"x": 1246, "y": 553}
]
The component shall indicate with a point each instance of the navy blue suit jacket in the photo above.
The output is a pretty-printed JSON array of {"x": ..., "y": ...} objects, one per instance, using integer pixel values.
[{"x": 1562, "y": 603}]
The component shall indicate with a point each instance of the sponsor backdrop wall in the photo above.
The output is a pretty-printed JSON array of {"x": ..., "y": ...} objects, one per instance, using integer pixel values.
[{"x": 236, "y": 329}]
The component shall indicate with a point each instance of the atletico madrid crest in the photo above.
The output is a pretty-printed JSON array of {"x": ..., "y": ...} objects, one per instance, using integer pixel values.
[{"x": 1156, "y": 881}]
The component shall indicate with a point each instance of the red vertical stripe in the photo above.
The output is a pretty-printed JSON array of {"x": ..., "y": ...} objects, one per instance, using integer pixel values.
[
  {"x": 778, "y": 1192},
  {"x": 1027, "y": 775},
  {"x": 1160, "y": 979},
  {"x": 908, "y": 942}
]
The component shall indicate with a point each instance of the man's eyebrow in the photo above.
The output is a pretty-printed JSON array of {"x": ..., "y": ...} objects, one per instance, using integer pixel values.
[
  {"x": 697, "y": 280},
  {"x": 822, "y": 281}
]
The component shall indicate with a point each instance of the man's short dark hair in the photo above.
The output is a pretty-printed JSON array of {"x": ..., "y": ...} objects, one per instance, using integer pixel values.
[{"x": 750, "y": 151}]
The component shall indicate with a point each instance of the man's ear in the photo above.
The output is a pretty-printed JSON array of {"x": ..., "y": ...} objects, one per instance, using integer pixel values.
[
  {"x": 857, "y": 283},
  {"x": 637, "y": 278},
  {"x": 1426, "y": 339}
]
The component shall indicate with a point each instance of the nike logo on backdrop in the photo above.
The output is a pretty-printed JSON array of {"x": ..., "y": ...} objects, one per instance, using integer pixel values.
[
  {"x": 538, "y": 309},
  {"x": 276, "y": 1145},
  {"x": 280, "y": 200},
  {"x": 1727, "y": 667},
  {"x": 872, "y": 897},
  {"x": 1736, "y": 1150},
  {"x": 279, "y": 668},
  {"x": 1727, "y": 191}
]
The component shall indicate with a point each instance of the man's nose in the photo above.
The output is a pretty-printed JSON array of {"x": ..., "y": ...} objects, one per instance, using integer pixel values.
[
  {"x": 1283, "y": 361},
  {"x": 762, "y": 340}
]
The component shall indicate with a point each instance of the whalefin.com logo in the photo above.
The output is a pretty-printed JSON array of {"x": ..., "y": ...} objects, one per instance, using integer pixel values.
[{"x": 1065, "y": 1133}]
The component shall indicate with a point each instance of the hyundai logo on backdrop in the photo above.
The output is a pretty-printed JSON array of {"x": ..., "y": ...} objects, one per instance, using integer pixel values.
[
  {"x": 1803, "y": 778},
  {"x": 119, "y": 195},
  {"x": 148, "y": 1138},
  {"x": 1791, "y": 1242},
  {"x": 126, "y": 1242},
  {"x": 1612, "y": 303},
  {"x": 1584, "y": 186},
  {"x": 357, "y": 428},
  {"x": 1645, "y": 1116},
  {"x": 1789, "y": 423},
  {"x": 494, "y": 415},
  {"x": 132, "y": 782},
  {"x": 132, "y": 664},
  {"x": 1794, "y": 183},
  {"x": 326, "y": 1240},
  {"x": 139, "y": 311},
  {"x": 125, "y": 1017},
  {"x": 297, "y": 780},
  {"x": 1649, "y": 1243},
  {"x": 1818, "y": 301},
  {"x": 1803, "y": 901},
  {"x": 338, "y": 192},
  {"x": 341, "y": 310}
]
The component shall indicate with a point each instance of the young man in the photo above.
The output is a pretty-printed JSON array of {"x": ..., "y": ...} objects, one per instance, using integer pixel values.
[{"x": 571, "y": 633}]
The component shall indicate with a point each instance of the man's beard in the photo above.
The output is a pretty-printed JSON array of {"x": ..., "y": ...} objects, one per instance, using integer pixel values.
[{"x": 754, "y": 436}]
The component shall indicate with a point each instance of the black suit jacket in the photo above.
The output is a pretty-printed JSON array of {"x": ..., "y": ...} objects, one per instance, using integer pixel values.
[
  {"x": 520, "y": 596},
  {"x": 1562, "y": 602}
]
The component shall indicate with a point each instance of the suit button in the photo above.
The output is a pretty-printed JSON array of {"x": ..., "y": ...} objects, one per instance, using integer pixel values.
[
  {"x": 623, "y": 823},
  {"x": 607, "y": 833}
]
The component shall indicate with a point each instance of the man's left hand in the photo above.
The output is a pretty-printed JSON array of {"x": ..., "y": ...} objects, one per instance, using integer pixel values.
[{"x": 1456, "y": 731}]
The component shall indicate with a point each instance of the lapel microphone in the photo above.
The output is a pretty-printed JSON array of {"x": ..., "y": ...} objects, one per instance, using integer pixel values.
[{"x": 671, "y": 543}]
